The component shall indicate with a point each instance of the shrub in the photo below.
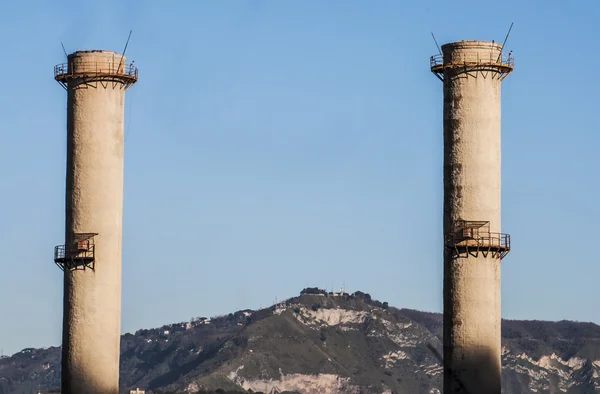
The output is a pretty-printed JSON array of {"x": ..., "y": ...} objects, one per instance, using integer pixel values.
[
  {"x": 313, "y": 290},
  {"x": 241, "y": 341}
]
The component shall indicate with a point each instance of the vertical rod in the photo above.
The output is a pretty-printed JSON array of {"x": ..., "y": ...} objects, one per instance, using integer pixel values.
[
  {"x": 125, "y": 49},
  {"x": 436, "y": 44},
  {"x": 504, "y": 43}
]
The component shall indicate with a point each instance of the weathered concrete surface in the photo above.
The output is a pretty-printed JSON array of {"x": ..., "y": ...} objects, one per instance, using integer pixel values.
[
  {"x": 94, "y": 204},
  {"x": 472, "y": 349}
]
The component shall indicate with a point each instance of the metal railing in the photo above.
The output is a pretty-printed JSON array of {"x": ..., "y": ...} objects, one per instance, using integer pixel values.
[
  {"x": 474, "y": 59},
  {"x": 96, "y": 69},
  {"x": 61, "y": 252},
  {"x": 493, "y": 240}
]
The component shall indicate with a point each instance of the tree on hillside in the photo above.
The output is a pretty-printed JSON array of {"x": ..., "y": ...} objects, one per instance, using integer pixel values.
[
  {"x": 364, "y": 296},
  {"x": 313, "y": 290}
]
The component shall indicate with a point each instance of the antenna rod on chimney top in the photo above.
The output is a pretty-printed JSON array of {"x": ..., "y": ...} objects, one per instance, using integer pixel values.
[
  {"x": 504, "y": 43},
  {"x": 125, "y": 49}
]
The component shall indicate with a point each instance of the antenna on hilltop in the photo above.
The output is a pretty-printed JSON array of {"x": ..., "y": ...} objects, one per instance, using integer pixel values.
[{"x": 505, "y": 38}]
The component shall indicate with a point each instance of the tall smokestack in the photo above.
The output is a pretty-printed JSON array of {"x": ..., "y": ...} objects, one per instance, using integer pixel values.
[
  {"x": 95, "y": 82},
  {"x": 472, "y": 72}
]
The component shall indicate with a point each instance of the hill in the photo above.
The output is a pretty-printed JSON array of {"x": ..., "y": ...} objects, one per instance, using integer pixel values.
[{"x": 325, "y": 343}]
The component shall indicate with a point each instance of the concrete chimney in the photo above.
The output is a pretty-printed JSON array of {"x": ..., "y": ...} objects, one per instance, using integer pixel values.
[
  {"x": 472, "y": 72},
  {"x": 95, "y": 82}
]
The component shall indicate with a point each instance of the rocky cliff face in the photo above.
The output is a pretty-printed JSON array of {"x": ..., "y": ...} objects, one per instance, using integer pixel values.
[{"x": 325, "y": 344}]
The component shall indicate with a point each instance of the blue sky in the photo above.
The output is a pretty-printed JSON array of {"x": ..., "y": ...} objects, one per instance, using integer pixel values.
[{"x": 277, "y": 145}]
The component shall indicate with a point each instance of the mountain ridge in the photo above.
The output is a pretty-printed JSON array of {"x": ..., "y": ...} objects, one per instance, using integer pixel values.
[{"x": 324, "y": 342}]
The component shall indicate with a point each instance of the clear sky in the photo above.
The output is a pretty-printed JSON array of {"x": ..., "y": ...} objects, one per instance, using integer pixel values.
[{"x": 274, "y": 145}]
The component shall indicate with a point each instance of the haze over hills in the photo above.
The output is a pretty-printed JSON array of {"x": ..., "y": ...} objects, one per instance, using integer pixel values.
[{"x": 326, "y": 343}]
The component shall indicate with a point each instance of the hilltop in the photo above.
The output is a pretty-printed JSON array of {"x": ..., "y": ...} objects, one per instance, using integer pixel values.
[{"x": 326, "y": 343}]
